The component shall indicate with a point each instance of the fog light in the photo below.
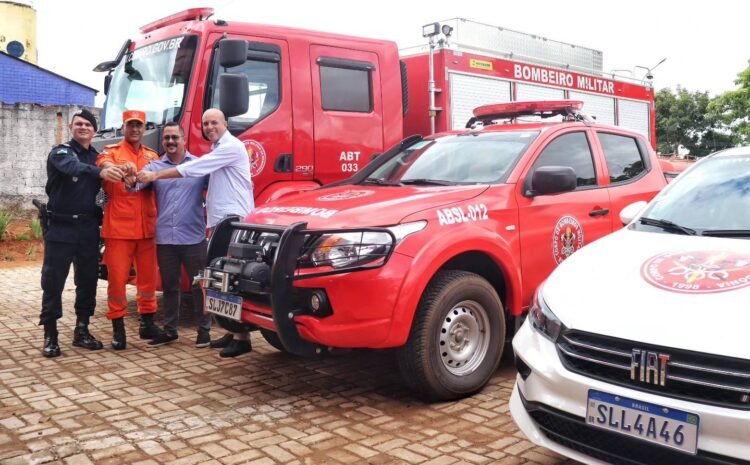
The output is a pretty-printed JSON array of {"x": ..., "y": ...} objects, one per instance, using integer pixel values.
[{"x": 315, "y": 302}]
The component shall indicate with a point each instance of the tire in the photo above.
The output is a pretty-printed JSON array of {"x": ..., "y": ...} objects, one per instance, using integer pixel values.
[
  {"x": 273, "y": 339},
  {"x": 457, "y": 337}
]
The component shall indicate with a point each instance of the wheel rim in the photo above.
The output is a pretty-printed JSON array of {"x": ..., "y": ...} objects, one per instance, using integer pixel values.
[{"x": 464, "y": 341}]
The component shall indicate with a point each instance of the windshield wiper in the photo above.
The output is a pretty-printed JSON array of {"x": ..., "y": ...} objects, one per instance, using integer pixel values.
[
  {"x": 727, "y": 232},
  {"x": 433, "y": 182},
  {"x": 668, "y": 225},
  {"x": 378, "y": 181}
]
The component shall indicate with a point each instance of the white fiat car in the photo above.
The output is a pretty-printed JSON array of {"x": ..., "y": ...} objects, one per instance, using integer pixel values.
[{"x": 636, "y": 349}]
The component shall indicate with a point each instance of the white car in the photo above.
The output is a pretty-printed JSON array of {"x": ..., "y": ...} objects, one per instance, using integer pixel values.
[{"x": 636, "y": 349}]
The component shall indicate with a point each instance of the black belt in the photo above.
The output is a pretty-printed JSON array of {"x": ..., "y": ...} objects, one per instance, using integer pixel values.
[{"x": 71, "y": 216}]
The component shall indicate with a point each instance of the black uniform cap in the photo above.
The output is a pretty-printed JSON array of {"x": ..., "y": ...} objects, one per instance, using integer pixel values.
[{"x": 87, "y": 115}]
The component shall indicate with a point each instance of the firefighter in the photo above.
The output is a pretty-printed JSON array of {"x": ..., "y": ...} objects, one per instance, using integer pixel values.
[
  {"x": 128, "y": 231},
  {"x": 71, "y": 232}
]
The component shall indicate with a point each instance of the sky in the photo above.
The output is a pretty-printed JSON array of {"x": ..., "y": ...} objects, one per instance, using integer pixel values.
[{"x": 704, "y": 43}]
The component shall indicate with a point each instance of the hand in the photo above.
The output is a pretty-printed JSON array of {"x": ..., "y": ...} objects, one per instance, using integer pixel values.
[
  {"x": 146, "y": 176},
  {"x": 112, "y": 173},
  {"x": 129, "y": 168},
  {"x": 130, "y": 181}
]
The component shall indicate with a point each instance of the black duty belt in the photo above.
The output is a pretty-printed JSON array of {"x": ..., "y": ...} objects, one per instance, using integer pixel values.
[{"x": 71, "y": 216}]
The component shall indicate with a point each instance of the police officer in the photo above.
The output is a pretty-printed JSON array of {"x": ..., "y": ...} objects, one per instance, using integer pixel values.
[{"x": 71, "y": 232}]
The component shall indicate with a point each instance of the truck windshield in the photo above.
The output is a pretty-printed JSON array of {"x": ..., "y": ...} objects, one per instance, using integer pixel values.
[
  {"x": 471, "y": 158},
  {"x": 152, "y": 78}
]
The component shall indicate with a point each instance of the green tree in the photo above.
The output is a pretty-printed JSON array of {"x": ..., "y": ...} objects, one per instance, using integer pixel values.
[
  {"x": 732, "y": 108},
  {"x": 682, "y": 118}
]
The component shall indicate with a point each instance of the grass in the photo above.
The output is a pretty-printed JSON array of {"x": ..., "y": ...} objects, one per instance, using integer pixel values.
[
  {"x": 36, "y": 228},
  {"x": 31, "y": 253},
  {"x": 5, "y": 218}
]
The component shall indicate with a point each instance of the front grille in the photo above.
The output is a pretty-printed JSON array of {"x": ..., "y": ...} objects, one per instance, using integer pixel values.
[
  {"x": 573, "y": 432},
  {"x": 693, "y": 376}
]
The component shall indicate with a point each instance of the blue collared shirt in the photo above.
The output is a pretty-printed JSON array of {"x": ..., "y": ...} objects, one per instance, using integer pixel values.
[
  {"x": 179, "y": 202},
  {"x": 230, "y": 190}
]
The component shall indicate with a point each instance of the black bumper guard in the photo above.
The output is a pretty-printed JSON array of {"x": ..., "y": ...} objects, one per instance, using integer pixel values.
[{"x": 294, "y": 243}]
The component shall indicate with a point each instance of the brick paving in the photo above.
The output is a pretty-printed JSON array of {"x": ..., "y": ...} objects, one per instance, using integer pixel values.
[{"x": 182, "y": 405}]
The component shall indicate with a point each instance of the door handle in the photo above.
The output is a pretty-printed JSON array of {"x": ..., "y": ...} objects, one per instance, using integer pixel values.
[{"x": 599, "y": 212}]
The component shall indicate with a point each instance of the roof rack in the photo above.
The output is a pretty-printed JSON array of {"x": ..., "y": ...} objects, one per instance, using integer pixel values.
[{"x": 569, "y": 109}]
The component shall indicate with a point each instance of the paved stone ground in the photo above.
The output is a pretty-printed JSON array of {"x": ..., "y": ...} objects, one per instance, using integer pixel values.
[{"x": 182, "y": 405}]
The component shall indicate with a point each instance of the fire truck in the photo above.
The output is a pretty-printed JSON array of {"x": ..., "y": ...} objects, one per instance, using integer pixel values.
[{"x": 313, "y": 108}]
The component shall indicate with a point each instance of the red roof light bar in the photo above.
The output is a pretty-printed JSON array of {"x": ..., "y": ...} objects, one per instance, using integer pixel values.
[
  {"x": 543, "y": 108},
  {"x": 185, "y": 15}
]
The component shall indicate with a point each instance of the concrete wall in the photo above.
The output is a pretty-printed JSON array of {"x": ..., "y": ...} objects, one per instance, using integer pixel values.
[
  {"x": 24, "y": 82},
  {"x": 27, "y": 134}
]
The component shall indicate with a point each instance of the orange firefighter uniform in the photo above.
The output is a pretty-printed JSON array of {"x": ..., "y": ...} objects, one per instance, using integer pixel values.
[{"x": 128, "y": 230}]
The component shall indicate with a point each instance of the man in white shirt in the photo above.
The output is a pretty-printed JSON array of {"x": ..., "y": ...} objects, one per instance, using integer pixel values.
[{"x": 230, "y": 191}]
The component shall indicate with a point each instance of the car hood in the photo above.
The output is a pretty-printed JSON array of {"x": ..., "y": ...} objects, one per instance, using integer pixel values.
[
  {"x": 676, "y": 291},
  {"x": 359, "y": 206}
]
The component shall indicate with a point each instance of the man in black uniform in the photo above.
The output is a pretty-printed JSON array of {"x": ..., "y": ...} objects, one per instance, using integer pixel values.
[{"x": 71, "y": 232}]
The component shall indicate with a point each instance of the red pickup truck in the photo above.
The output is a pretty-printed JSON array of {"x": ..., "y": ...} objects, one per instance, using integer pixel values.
[{"x": 436, "y": 246}]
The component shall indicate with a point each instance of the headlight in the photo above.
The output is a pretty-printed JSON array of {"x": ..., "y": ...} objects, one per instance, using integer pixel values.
[
  {"x": 542, "y": 319},
  {"x": 357, "y": 248}
]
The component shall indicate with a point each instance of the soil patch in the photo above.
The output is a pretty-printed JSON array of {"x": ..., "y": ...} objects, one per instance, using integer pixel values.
[{"x": 18, "y": 246}]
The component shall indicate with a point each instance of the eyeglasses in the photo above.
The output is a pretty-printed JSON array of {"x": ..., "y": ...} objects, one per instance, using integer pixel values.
[{"x": 171, "y": 137}]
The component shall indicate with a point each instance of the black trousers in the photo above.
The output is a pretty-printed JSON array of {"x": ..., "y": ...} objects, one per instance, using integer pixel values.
[
  {"x": 171, "y": 260},
  {"x": 58, "y": 256}
]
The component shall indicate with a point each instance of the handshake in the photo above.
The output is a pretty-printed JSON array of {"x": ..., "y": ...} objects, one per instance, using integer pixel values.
[{"x": 126, "y": 173}]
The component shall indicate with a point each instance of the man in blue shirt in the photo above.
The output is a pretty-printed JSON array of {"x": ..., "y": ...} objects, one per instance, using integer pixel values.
[
  {"x": 230, "y": 192},
  {"x": 180, "y": 234}
]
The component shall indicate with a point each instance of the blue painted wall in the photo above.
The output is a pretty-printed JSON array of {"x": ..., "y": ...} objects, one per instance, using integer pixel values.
[{"x": 22, "y": 82}]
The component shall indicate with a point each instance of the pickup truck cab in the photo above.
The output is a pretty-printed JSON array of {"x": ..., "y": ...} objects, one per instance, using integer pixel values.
[{"x": 436, "y": 246}]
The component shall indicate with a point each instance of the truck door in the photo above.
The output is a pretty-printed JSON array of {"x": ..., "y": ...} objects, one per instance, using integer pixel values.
[
  {"x": 266, "y": 128},
  {"x": 347, "y": 110},
  {"x": 554, "y": 226}
]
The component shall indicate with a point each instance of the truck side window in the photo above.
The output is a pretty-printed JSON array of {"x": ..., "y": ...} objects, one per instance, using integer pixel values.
[
  {"x": 345, "y": 85},
  {"x": 263, "y": 76},
  {"x": 624, "y": 159},
  {"x": 571, "y": 150}
]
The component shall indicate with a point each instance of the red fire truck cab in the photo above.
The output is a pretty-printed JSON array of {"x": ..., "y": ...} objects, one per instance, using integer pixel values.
[
  {"x": 435, "y": 247},
  {"x": 311, "y": 107}
]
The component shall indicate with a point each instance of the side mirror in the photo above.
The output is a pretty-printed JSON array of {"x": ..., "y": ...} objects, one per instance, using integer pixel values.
[
  {"x": 107, "y": 82},
  {"x": 631, "y": 211},
  {"x": 548, "y": 180},
  {"x": 234, "y": 94},
  {"x": 232, "y": 52}
]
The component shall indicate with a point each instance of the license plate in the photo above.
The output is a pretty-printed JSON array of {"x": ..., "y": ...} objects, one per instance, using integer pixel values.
[
  {"x": 218, "y": 303},
  {"x": 653, "y": 423}
]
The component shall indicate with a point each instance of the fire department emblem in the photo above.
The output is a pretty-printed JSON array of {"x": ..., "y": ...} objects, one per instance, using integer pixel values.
[
  {"x": 567, "y": 237},
  {"x": 257, "y": 155},
  {"x": 697, "y": 272},
  {"x": 345, "y": 195}
]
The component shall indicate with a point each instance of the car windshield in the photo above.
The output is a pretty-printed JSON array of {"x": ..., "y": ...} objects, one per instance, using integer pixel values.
[
  {"x": 712, "y": 196},
  {"x": 471, "y": 158},
  {"x": 152, "y": 78}
]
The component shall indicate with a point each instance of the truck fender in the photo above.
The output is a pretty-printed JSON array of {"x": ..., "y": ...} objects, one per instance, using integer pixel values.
[
  {"x": 279, "y": 189},
  {"x": 433, "y": 256}
]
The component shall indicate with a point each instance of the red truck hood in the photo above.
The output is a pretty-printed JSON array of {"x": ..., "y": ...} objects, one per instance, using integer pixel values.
[{"x": 352, "y": 206}]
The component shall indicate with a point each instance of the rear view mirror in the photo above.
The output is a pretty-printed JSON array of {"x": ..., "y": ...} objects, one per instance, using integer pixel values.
[
  {"x": 628, "y": 213},
  {"x": 548, "y": 180},
  {"x": 234, "y": 94},
  {"x": 232, "y": 52}
]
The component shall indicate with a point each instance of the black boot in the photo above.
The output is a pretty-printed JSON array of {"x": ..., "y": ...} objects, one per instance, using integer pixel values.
[
  {"x": 147, "y": 328},
  {"x": 236, "y": 347},
  {"x": 51, "y": 347},
  {"x": 83, "y": 338},
  {"x": 119, "y": 341}
]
